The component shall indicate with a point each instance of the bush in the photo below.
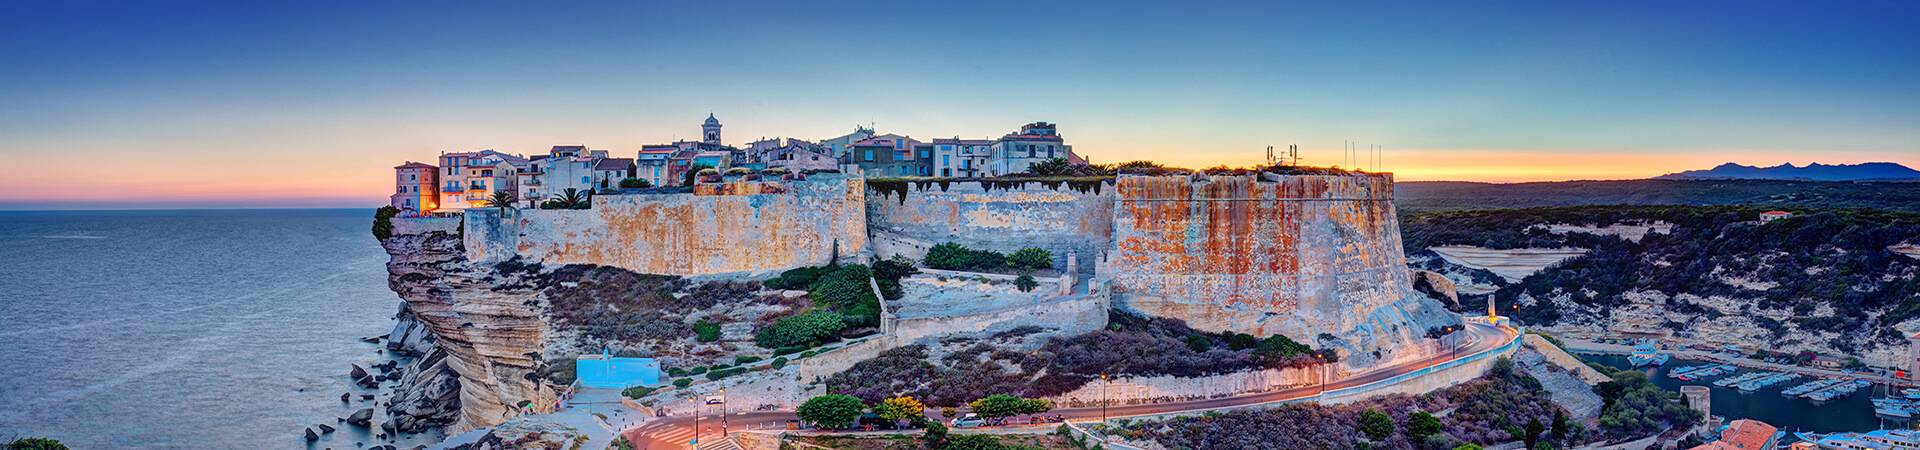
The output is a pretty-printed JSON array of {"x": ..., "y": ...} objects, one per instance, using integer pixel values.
[
  {"x": 637, "y": 391},
  {"x": 833, "y": 411},
  {"x": 799, "y": 278},
  {"x": 952, "y": 256},
  {"x": 998, "y": 406},
  {"x": 778, "y": 363},
  {"x": 1422, "y": 424},
  {"x": 804, "y": 329},
  {"x": 634, "y": 183},
  {"x": 975, "y": 442},
  {"x": 788, "y": 350},
  {"x": 936, "y": 435},
  {"x": 1025, "y": 283},
  {"x": 1030, "y": 258},
  {"x": 36, "y": 443},
  {"x": 697, "y": 370},
  {"x": 745, "y": 359},
  {"x": 706, "y": 331},
  {"x": 1377, "y": 425},
  {"x": 717, "y": 374},
  {"x": 676, "y": 372},
  {"x": 683, "y": 382},
  {"x": 846, "y": 291},
  {"x": 382, "y": 223}
]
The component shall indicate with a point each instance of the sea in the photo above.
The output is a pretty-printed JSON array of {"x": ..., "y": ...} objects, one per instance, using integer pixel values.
[
  {"x": 178, "y": 329},
  {"x": 1853, "y": 413}
]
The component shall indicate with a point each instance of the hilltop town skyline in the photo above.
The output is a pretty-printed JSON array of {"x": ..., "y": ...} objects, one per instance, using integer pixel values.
[{"x": 301, "y": 105}]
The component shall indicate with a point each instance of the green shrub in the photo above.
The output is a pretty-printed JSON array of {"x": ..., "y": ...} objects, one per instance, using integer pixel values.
[
  {"x": 952, "y": 256},
  {"x": 36, "y": 443},
  {"x": 1030, "y": 258},
  {"x": 1377, "y": 425},
  {"x": 383, "y": 222},
  {"x": 706, "y": 331},
  {"x": 778, "y": 362},
  {"x": 1025, "y": 283},
  {"x": 788, "y": 350},
  {"x": 637, "y": 391},
  {"x": 717, "y": 374},
  {"x": 633, "y": 183},
  {"x": 745, "y": 359},
  {"x": 809, "y": 353},
  {"x": 683, "y": 382},
  {"x": 697, "y": 370},
  {"x": 846, "y": 290},
  {"x": 719, "y": 367},
  {"x": 676, "y": 371},
  {"x": 799, "y": 278},
  {"x": 802, "y": 329}
]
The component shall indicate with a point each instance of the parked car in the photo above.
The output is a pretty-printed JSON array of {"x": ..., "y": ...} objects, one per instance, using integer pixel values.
[{"x": 970, "y": 420}]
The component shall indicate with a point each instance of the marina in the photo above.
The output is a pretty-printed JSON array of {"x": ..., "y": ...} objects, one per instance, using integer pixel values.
[{"x": 1848, "y": 413}]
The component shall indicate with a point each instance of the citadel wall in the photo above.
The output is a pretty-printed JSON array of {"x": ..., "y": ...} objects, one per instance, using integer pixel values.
[{"x": 908, "y": 217}]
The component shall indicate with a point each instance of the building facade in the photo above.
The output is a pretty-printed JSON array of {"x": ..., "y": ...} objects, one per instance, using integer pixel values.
[
  {"x": 961, "y": 158},
  {"x": 416, "y": 189},
  {"x": 469, "y": 179},
  {"x": 1036, "y": 142},
  {"x": 889, "y": 155}
]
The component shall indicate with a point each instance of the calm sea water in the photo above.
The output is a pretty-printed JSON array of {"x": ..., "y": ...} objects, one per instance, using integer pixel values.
[
  {"x": 187, "y": 329},
  {"x": 1854, "y": 413}
]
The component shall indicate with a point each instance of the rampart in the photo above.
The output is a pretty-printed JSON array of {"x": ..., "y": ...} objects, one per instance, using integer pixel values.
[
  {"x": 908, "y": 217},
  {"x": 1308, "y": 256},
  {"x": 738, "y": 227}
]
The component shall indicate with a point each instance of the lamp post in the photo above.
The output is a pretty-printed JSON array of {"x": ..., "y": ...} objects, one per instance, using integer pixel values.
[
  {"x": 1320, "y": 375},
  {"x": 696, "y": 422},
  {"x": 1103, "y": 408},
  {"x": 723, "y": 412}
]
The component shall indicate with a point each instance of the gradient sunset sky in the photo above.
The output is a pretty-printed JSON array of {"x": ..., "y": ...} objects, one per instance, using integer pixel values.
[{"x": 294, "y": 104}]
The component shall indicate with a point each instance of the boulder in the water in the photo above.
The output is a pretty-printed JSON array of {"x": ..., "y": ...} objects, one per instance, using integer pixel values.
[
  {"x": 345, "y": 396},
  {"x": 357, "y": 372},
  {"x": 312, "y": 436},
  {"x": 324, "y": 428},
  {"x": 363, "y": 417}
]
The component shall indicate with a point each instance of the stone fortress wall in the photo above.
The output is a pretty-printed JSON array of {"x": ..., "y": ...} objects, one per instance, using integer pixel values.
[
  {"x": 908, "y": 217},
  {"x": 737, "y": 227},
  {"x": 1302, "y": 255},
  {"x": 1315, "y": 257}
]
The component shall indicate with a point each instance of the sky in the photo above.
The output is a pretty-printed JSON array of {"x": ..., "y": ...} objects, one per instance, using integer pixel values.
[{"x": 309, "y": 104}]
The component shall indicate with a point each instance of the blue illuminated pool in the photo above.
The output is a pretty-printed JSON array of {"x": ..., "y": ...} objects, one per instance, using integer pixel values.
[{"x": 616, "y": 373}]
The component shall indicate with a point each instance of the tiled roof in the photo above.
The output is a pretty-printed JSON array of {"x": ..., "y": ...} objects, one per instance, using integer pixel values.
[
  {"x": 415, "y": 165},
  {"x": 613, "y": 164}
]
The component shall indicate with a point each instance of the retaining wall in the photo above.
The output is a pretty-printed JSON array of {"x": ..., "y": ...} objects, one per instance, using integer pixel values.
[
  {"x": 908, "y": 217},
  {"x": 739, "y": 227}
]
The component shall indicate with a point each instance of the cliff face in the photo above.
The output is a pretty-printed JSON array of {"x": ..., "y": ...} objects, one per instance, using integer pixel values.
[
  {"x": 1308, "y": 256},
  {"x": 489, "y": 335}
]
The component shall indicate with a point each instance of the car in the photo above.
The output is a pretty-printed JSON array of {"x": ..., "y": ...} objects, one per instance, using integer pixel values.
[{"x": 970, "y": 420}]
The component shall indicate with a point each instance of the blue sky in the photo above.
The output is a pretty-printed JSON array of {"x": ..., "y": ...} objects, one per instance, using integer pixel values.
[{"x": 312, "y": 103}]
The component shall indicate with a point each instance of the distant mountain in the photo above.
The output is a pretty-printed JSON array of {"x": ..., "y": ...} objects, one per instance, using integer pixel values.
[
  {"x": 1457, "y": 195},
  {"x": 1813, "y": 172}
]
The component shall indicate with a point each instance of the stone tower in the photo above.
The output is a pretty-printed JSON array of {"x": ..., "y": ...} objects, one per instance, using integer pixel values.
[
  {"x": 1701, "y": 399},
  {"x": 1913, "y": 357},
  {"x": 710, "y": 131}
]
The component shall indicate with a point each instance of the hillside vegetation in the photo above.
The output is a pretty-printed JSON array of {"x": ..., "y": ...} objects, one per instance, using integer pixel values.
[
  {"x": 1455, "y": 195},
  {"x": 1826, "y": 271}
]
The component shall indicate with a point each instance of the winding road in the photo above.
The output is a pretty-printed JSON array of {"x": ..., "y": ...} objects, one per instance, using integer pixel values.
[{"x": 676, "y": 431}]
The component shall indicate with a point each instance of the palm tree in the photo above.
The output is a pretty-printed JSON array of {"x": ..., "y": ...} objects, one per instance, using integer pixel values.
[
  {"x": 573, "y": 199},
  {"x": 502, "y": 200}
]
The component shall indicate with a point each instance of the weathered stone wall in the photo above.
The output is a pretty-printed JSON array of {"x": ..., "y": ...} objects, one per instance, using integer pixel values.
[
  {"x": 1163, "y": 389},
  {"x": 741, "y": 227},
  {"x": 941, "y": 305},
  {"x": 1297, "y": 255},
  {"x": 907, "y": 218}
]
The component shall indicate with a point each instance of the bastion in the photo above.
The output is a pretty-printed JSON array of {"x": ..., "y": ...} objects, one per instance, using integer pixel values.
[
  {"x": 1064, "y": 217},
  {"x": 1314, "y": 257}
]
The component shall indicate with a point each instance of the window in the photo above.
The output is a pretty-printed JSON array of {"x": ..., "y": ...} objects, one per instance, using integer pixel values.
[
  {"x": 946, "y": 160},
  {"x": 869, "y": 154},
  {"x": 584, "y": 180},
  {"x": 1029, "y": 150}
]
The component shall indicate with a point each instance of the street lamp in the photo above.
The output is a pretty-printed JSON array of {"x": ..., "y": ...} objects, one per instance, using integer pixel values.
[
  {"x": 696, "y": 421},
  {"x": 1103, "y": 408},
  {"x": 723, "y": 412}
]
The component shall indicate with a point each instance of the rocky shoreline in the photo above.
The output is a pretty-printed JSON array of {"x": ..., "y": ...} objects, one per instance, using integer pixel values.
[{"x": 412, "y": 392}]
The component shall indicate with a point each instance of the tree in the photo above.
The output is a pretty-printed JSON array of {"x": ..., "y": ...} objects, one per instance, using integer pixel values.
[
  {"x": 502, "y": 200},
  {"x": 900, "y": 408},
  {"x": 1421, "y": 424},
  {"x": 1001, "y": 406},
  {"x": 1025, "y": 283},
  {"x": 1376, "y": 425},
  {"x": 634, "y": 183},
  {"x": 833, "y": 411},
  {"x": 1533, "y": 430},
  {"x": 1560, "y": 425},
  {"x": 570, "y": 198},
  {"x": 846, "y": 291},
  {"x": 1030, "y": 258},
  {"x": 1051, "y": 167},
  {"x": 383, "y": 222}
]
